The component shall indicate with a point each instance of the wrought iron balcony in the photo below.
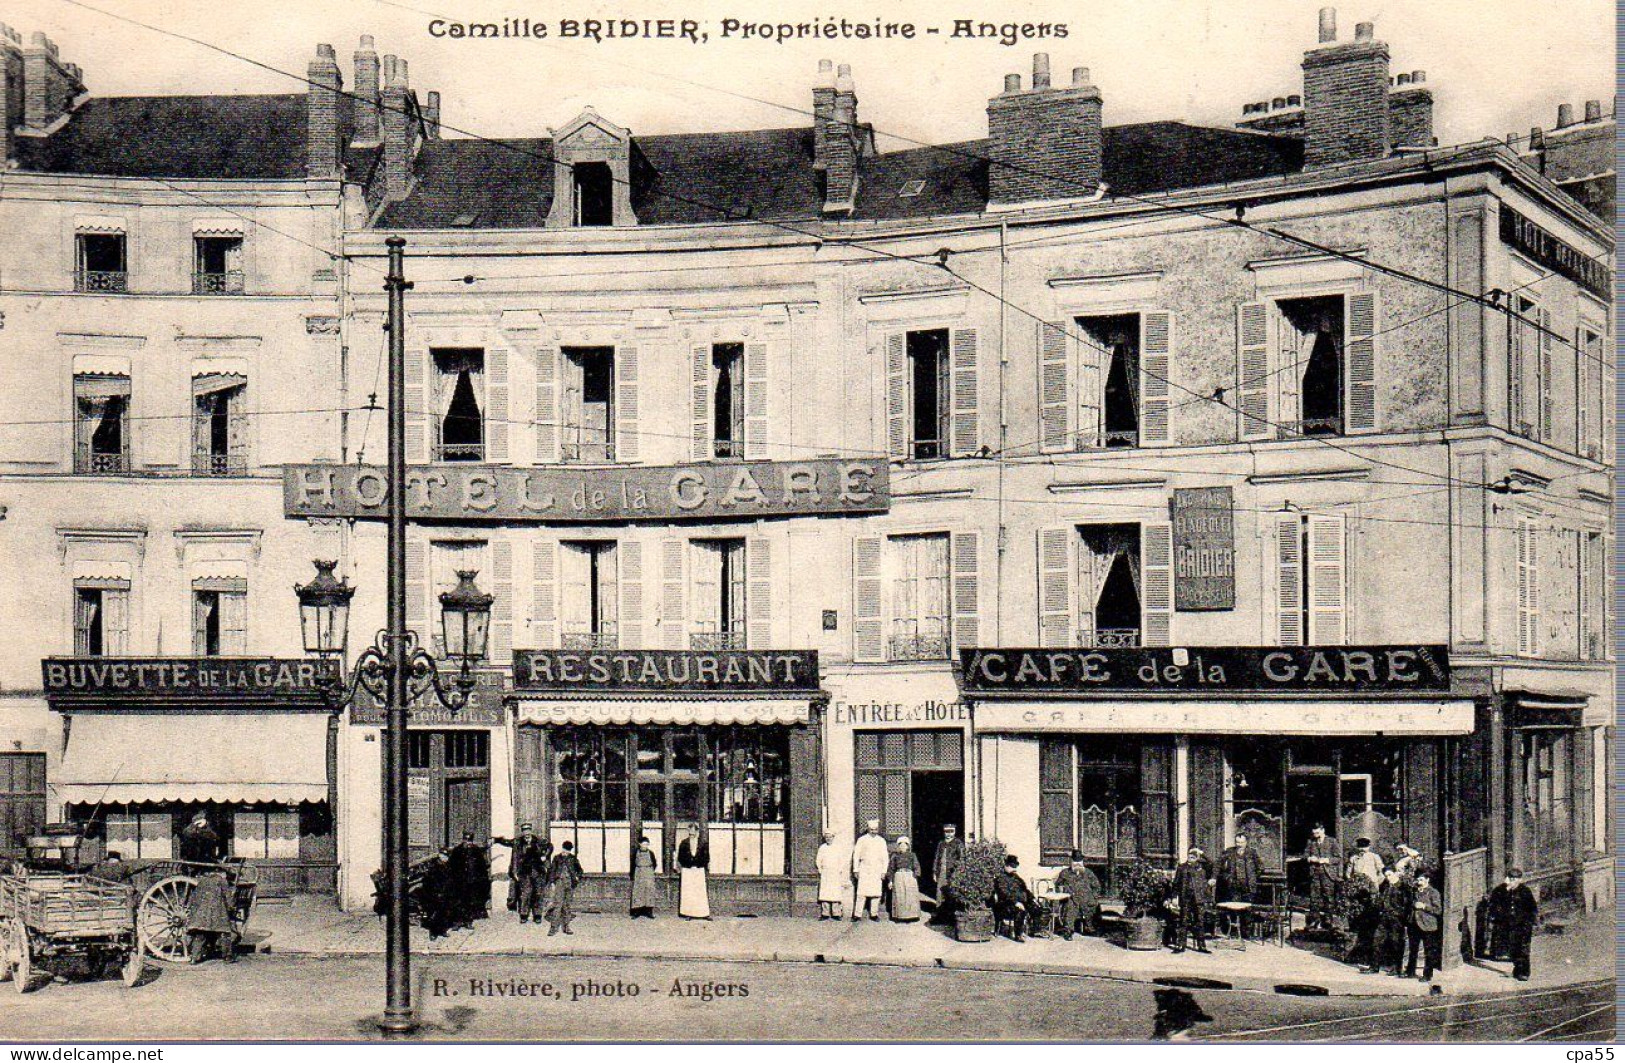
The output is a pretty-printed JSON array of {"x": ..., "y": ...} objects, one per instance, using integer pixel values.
[
  {"x": 1320, "y": 426},
  {"x": 926, "y": 449},
  {"x": 219, "y": 465},
  {"x": 1127, "y": 437},
  {"x": 717, "y": 640},
  {"x": 459, "y": 452},
  {"x": 588, "y": 453},
  {"x": 217, "y": 283},
  {"x": 101, "y": 280},
  {"x": 730, "y": 448},
  {"x": 917, "y": 648},
  {"x": 579, "y": 638},
  {"x": 1109, "y": 638},
  {"x": 102, "y": 464}
]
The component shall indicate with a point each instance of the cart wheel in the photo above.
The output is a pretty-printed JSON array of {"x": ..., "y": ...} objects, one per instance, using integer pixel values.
[
  {"x": 161, "y": 919},
  {"x": 134, "y": 966},
  {"x": 22, "y": 965},
  {"x": 5, "y": 950}
]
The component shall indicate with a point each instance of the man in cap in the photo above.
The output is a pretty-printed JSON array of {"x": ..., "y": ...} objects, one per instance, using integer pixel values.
[
  {"x": 199, "y": 842},
  {"x": 1193, "y": 887},
  {"x": 527, "y": 872},
  {"x": 1426, "y": 925},
  {"x": 1325, "y": 859},
  {"x": 1082, "y": 889},
  {"x": 1013, "y": 902},
  {"x": 950, "y": 850},
  {"x": 1512, "y": 911}
]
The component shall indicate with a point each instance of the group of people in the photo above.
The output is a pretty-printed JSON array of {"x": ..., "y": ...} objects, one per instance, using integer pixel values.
[
  {"x": 693, "y": 870},
  {"x": 883, "y": 874},
  {"x": 453, "y": 887}
]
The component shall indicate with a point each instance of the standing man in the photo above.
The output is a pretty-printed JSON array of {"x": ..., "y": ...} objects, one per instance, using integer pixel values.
[
  {"x": 208, "y": 919},
  {"x": 1240, "y": 871},
  {"x": 1325, "y": 858},
  {"x": 870, "y": 858},
  {"x": 831, "y": 882},
  {"x": 949, "y": 852},
  {"x": 1082, "y": 902},
  {"x": 471, "y": 878},
  {"x": 1365, "y": 862},
  {"x": 1427, "y": 919},
  {"x": 1393, "y": 913},
  {"x": 1194, "y": 889},
  {"x": 562, "y": 881},
  {"x": 199, "y": 843},
  {"x": 1513, "y": 909},
  {"x": 527, "y": 870}
]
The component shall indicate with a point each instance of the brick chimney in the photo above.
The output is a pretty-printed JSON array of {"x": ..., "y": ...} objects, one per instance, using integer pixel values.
[
  {"x": 823, "y": 111},
  {"x": 843, "y": 142},
  {"x": 400, "y": 124},
  {"x": 1046, "y": 141},
  {"x": 1345, "y": 96},
  {"x": 431, "y": 116},
  {"x": 1410, "y": 111},
  {"x": 11, "y": 90},
  {"x": 323, "y": 142},
  {"x": 366, "y": 93},
  {"x": 50, "y": 86}
]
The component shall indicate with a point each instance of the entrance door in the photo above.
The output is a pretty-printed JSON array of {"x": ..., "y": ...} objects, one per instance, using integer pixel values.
[
  {"x": 1311, "y": 799},
  {"x": 912, "y": 782},
  {"x": 935, "y": 798},
  {"x": 448, "y": 788}
]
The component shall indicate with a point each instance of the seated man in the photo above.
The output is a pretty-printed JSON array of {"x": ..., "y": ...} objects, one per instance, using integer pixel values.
[
  {"x": 1013, "y": 901},
  {"x": 1082, "y": 905}
]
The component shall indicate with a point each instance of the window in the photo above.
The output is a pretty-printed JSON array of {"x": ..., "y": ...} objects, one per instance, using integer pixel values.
[
  {"x": 1109, "y": 404},
  {"x": 728, "y": 399},
  {"x": 747, "y": 784},
  {"x": 590, "y": 797},
  {"x": 265, "y": 833},
  {"x": 446, "y": 560},
  {"x": 101, "y": 438},
  {"x": 718, "y": 594},
  {"x": 1106, "y": 585},
  {"x": 459, "y": 393},
  {"x": 101, "y": 618},
  {"x": 928, "y": 393},
  {"x": 100, "y": 265},
  {"x": 1109, "y": 799},
  {"x": 1311, "y": 345},
  {"x": 144, "y": 835},
  {"x": 1592, "y": 577},
  {"x": 1311, "y": 576},
  {"x": 588, "y": 600},
  {"x": 1528, "y": 346},
  {"x": 920, "y": 606},
  {"x": 22, "y": 798},
  {"x": 219, "y": 618},
  {"x": 911, "y": 189},
  {"x": 1528, "y": 586},
  {"x": 1109, "y": 581},
  {"x": 217, "y": 265},
  {"x": 1307, "y": 366},
  {"x": 594, "y": 187},
  {"x": 1546, "y": 835},
  {"x": 219, "y": 424},
  {"x": 588, "y": 404}
]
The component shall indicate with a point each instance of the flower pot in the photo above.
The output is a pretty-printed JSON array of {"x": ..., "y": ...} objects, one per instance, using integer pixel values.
[
  {"x": 1144, "y": 933},
  {"x": 973, "y": 924}
]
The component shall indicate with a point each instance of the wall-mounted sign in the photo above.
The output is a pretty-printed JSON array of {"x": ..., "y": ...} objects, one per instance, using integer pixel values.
[
  {"x": 895, "y": 712},
  {"x": 1288, "y": 716},
  {"x": 1210, "y": 669},
  {"x": 1204, "y": 522},
  {"x": 184, "y": 679},
  {"x": 1589, "y": 273},
  {"x": 484, "y": 708},
  {"x": 696, "y": 671},
  {"x": 466, "y": 493}
]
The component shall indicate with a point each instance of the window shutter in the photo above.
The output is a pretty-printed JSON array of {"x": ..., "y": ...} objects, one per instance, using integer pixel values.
[
  {"x": 1207, "y": 796},
  {"x": 417, "y": 591},
  {"x": 1056, "y": 799},
  {"x": 547, "y": 405},
  {"x": 964, "y": 427},
  {"x": 1157, "y": 582},
  {"x": 1589, "y": 606},
  {"x": 673, "y": 634},
  {"x": 1328, "y": 579},
  {"x": 1088, "y": 584},
  {"x": 967, "y": 589},
  {"x": 1360, "y": 355},
  {"x": 1054, "y": 388},
  {"x": 1092, "y": 361},
  {"x": 501, "y": 587},
  {"x": 897, "y": 429},
  {"x": 759, "y": 594},
  {"x": 237, "y": 427},
  {"x": 496, "y": 406},
  {"x": 115, "y": 622},
  {"x": 1528, "y": 586},
  {"x": 233, "y": 624},
  {"x": 1289, "y": 579},
  {"x": 702, "y": 410},
  {"x": 756, "y": 393},
  {"x": 418, "y": 414},
  {"x": 202, "y": 606},
  {"x": 1582, "y": 395},
  {"x": 1548, "y": 360},
  {"x": 544, "y": 594},
  {"x": 1253, "y": 370},
  {"x": 1157, "y": 795},
  {"x": 1286, "y": 374},
  {"x": 626, "y": 404},
  {"x": 868, "y": 623},
  {"x": 1057, "y": 548},
  {"x": 630, "y": 555},
  {"x": 1607, "y": 401},
  {"x": 200, "y": 432},
  {"x": 1156, "y": 344},
  {"x": 1515, "y": 365},
  {"x": 705, "y": 585}
]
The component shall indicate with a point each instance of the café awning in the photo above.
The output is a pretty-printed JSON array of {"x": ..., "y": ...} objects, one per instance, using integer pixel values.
[
  {"x": 1262, "y": 716},
  {"x": 662, "y": 711},
  {"x": 230, "y": 758}
]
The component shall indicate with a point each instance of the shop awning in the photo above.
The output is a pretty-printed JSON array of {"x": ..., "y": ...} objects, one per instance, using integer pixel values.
[
  {"x": 235, "y": 758},
  {"x": 1286, "y": 716},
  {"x": 668, "y": 711}
]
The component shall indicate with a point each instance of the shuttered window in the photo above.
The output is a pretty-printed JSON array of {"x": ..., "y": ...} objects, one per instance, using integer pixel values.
[
  {"x": 1588, "y": 398},
  {"x": 101, "y": 618},
  {"x": 22, "y": 799},
  {"x": 1106, "y": 585},
  {"x": 717, "y": 594},
  {"x": 920, "y": 597},
  {"x": 1104, "y": 381},
  {"x": 458, "y": 397},
  {"x": 219, "y": 619},
  {"x": 101, "y": 423},
  {"x": 219, "y": 424},
  {"x": 587, "y": 408},
  {"x": 1311, "y": 600},
  {"x": 932, "y": 392},
  {"x": 1524, "y": 354},
  {"x": 589, "y": 596}
]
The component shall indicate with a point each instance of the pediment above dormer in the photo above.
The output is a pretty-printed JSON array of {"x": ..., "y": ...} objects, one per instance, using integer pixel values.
[{"x": 589, "y": 131}]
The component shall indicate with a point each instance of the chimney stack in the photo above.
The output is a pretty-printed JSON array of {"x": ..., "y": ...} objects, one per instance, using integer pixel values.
[
  {"x": 1045, "y": 142},
  {"x": 1565, "y": 115},
  {"x": 323, "y": 143},
  {"x": 431, "y": 116},
  {"x": 1410, "y": 112},
  {"x": 842, "y": 140},
  {"x": 823, "y": 112},
  {"x": 1593, "y": 110},
  {"x": 1345, "y": 97},
  {"x": 49, "y": 86},
  {"x": 11, "y": 89},
  {"x": 398, "y": 121},
  {"x": 366, "y": 91},
  {"x": 1328, "y": 25}
]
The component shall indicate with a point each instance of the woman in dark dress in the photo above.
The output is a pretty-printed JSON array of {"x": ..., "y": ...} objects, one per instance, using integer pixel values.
[{"x": 645, "y": 891}]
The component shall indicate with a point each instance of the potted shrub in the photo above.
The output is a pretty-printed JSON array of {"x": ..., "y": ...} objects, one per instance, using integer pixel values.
[
  {"x": 971, "y": 887},
  {"x": 1143, "y": 888}
]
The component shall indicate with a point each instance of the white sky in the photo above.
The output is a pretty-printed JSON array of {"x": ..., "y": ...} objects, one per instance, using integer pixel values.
[{"x": 1495, "y": 66}]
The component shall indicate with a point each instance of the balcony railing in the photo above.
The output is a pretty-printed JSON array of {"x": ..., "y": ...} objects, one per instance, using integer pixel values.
[
  {"x": 730, "y": 448},
  {"x": 587, "y": 452},
  {"x": 579, "y": 638},
  {"x": 459, "y": 452},
  {"x": 926, "y": 449},
  {"x": 1128, "y": 437},
  {"x": 717, "y": 640},
  {"x": 101, "y": 464},
  {"x": 219, "y": 465},
  {"x": 1109, "y": 638},
  {"x": 101, "y": 280},
  {"x": 1320, "y": 426},
  {"x": 217, "y": 283},
  {"x": 917, "y": 648}
]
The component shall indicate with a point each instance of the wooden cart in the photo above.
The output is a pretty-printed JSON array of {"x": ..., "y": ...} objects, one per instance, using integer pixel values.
[
  {"x": 165, "y": 888},
  {"x": 47, "y": 917}
]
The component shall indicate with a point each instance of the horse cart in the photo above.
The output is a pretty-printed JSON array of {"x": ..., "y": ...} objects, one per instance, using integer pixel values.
[{"x": 49, "y": 917}]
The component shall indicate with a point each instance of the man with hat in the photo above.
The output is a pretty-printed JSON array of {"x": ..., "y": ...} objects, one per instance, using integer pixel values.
[
  {"x": 527, "y": 872},
  {"x": 950, "y": 850},
  {"x": 1013, "y": 901},
  {"x": 1512, "y": 911},
  {"x": 1193, "y": 887},
  {"x": 1324, "y": 856},
  {"x": 1426, "y": 929},
  {"x": 1082, "y": 891},
  {"x": 1408, "y": 863}
]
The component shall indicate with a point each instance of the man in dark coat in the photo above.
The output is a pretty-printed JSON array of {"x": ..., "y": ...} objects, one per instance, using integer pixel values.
[
  {"x": 437, "y": 895},
  {"x": 208, "y": 919},
  {"x": 1013, "y": 902},
  {"x": 562, "y": 881},
  {"x": 471, "y": 877},
  {"x": 1193, "y": 888},
  {"x": 1082, "y": 903},
  {"x": 950, "y": 850},
  {"x": 199, "y": 842},
  {"x": 1426, "y": 924},
  {"x": 1239, "y": 872},
  {"x": 1325, "y": 858},
  {"x": 1513, "y": 909},
  {"x": 1392, "y": 916},
  {"x": 527, "y": 872}
]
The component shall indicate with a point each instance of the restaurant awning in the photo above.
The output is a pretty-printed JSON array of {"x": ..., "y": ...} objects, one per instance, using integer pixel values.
[
  {"x": 233, "y": 758},
  {"x": 668, "y": 711},
  {"x": 1262, "y": 716}
]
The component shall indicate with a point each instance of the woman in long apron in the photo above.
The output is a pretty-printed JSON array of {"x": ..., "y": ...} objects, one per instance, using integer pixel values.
[
  {"x": 693, "y": 862},
  {"x": 903, "y": 875},
  {"x": 645, "y": 892}
]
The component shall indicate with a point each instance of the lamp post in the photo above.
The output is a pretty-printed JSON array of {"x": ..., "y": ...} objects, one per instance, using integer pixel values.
[{"x": 395, "y": 669}]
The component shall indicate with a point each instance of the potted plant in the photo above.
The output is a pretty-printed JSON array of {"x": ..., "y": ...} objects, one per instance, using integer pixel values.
[
  {"x": 1142, "y": 891},
  {"x": 971, "y": 887}
]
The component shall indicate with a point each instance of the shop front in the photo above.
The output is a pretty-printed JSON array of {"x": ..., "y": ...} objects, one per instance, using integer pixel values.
[
  {"x": 249, "y": 742},
  {"x": 613, "y": 746}
]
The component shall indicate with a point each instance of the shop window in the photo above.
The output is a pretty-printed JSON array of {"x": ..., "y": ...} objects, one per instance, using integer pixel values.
[
  {"x": 446, "y": 560},
  {"x": 1257, "y": 799},
  {"x": 594, "y": 186},
  {"x": 928, "y": 405},
  {"x": 588, "y": 600},
  {"x": 217, "y": 265},
  {"x": 100, "y": 264},
  {"x": 920, "y": 603},
  {"x": 101, "y": 430},
  {"x": 265, "y": 833},
  {"x": 1108, "y": 798},
  {"x": 1109, "y": 381},
  {"x": 1109, "y": 585},
  {"x": 141, "y": 834},
  {"x": 728, "y": 399},
  {"x": 220, "y": 620},
  {"x": 219, "y": 425},
  {"x": 1545, "y": 837},
  {"x": 101, "y": 619},
  {"x": 1370, "y": 783},
  {"x": 590, "y": 797},
  {"x": 717, "y": 573},
  {"x": 1311, "y": 579},
  {"x": 22, "y": 799},
  {"x": 588, "y": 404},
  {"x": 747, "y": 776},
  {"x": 459, "y": 389}
]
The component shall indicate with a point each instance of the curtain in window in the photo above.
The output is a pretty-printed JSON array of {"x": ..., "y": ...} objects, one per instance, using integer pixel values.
[
  {"x": 205, "y": 609},
  {"x": 87, "y": 608},
  {"x": 101, "y": 400}
]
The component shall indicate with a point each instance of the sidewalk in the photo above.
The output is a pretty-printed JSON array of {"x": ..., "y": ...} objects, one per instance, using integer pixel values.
[{"x": 312, "y": 926}]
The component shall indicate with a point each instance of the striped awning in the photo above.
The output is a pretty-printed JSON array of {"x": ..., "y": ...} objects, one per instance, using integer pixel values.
[
  {"x": 99, "y": 223},
  {"x": 663, "y": 711},
  {"x": 218, "y": 227}
]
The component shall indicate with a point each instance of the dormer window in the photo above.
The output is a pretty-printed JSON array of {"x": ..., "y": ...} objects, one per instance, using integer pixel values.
[
  {"x": 594, "y": 188},
  {"x": 593, "y": 163}
]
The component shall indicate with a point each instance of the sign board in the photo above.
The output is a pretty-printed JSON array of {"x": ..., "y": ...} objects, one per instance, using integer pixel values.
[
  {"x": 684, "y": 671},
  {"x": 1287, "y": 716},
  {"x": 562, "y": 494},
  {"x": 1211, "y": 669},
  {"x": 484, "y": 708},
  {"x": 419, "y": 809},
  {"x": 186, "y": 679},
  {"x": 1204, "y": 522},
  {"x": 1524, "y": 235}
]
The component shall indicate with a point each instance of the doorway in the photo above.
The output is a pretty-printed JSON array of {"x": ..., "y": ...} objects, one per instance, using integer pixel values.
[
  {"x": 448, "y": 789},
  {"x": 912, "y": 782},
  {"x": 936, "y": 798},
  {"x": 1311, "y": 800}
]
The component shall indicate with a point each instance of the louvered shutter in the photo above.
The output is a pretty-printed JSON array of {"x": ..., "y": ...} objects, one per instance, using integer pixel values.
[
  {"x": 1528, "y": 586},
  {"x": 626, "y": 405},
  {"x": 502, "y": 610},
  {"x": 544, "y": 594},
  {"x": 964, "y": 424},
  {"x": 115, "y": 622},
  {"x": 418, "y": 415},
  {"x": 237, "y": 427},
  {"x": 1156, "y": 346},
  {"x": 705, "y": 585},
  {"x": 417, "y": 591},
  {"x": 868, "y": 599},
  {"x": 1582, "y": 394},
  {"x": 1289, "y": 579},
  {"x": 967, "y": 588},
  {"x": 1088, "y": 582},
  {"x": 895, "y": 351},
  {"x": 1253, "y": 370},
  {"x": 200, "y": 433},
  {"x": 673, "y": 632},
  {"x": 1057, "y": 548},
  {"x": 1054, "y": 388},
  {"x": 1515, "y": 369},
  {"x": 630, "y": 554},
  {"x": 1548, "y": 377},
  {"x": 1157, "y": 582},
  {"x": 700, "y": 411},
  {"x": 757, "y": 368},
  {"x": 1328, "y": 579},
  {"x": 1092, "y": 363},
  {"x": 759, "y": 594},
  {"x": 547, "y": 405},
  {"x": 1609, "y": 401},
  {"x": 496, "y": 405},
  {"x": 1361, "y": 353},
  {"x": 1589, "y": 605},
  {"x": 1291, "y": 349},
  {"x": 233, "y": 623}
]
